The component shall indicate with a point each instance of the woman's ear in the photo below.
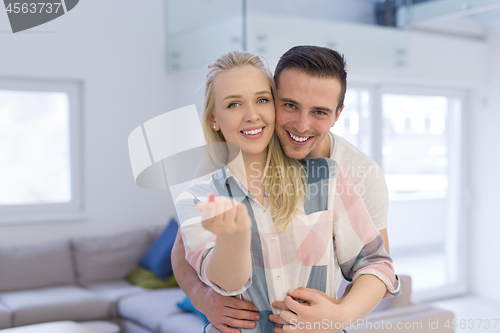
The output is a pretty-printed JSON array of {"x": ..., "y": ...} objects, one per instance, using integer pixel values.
[{"x": 213, "y": 122}]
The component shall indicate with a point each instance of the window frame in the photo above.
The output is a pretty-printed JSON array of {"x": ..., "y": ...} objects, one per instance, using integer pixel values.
[{"x": 34, "y": 213}]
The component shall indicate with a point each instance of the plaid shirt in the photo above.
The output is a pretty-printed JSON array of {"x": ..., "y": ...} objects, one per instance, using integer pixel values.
[{"x": 330, "y": 234}]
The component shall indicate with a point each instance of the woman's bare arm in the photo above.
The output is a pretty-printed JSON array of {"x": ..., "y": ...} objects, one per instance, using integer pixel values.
[
  {"x": 221, "y": 311},
  {"x": 229, "y": 263},
  {"x": 383, "y": 232},
  {"x": 366, "y": 293}
]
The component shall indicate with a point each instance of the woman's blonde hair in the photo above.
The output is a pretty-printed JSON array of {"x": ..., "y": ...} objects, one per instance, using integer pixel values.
[{"x": 284, "y": 176}]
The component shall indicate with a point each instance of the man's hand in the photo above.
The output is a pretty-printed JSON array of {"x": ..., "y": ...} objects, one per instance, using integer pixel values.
[
  {"x": 318, "y": 307},
  {"x": 226, "y": 311}
]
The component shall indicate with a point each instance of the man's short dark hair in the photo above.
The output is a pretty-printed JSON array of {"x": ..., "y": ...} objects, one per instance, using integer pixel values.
[{"x": 315, "y": 61}]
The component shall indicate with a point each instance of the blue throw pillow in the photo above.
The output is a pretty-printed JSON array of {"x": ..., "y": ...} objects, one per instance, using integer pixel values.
[
  {"x": 187, "y": 306},
  {"x": 157, "y": 258}
]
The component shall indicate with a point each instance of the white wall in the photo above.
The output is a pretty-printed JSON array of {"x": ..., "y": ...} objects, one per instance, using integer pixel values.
[
  {"x": 484, "y": 148},
  {"x": 116, "y": 48}
]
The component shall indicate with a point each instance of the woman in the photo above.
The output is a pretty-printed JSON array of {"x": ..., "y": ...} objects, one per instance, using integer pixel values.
[{"x": 292, "y": 228}]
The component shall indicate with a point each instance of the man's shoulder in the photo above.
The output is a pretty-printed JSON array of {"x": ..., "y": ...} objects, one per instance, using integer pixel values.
[
  {"x": 360, "y": 167},
  {"x": 347, "y": 154},
  {"x": 366, "y": 175}
]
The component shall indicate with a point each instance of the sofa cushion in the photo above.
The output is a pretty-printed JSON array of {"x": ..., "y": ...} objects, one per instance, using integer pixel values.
[
  {"x": 149, "y": 308},
  {"x": 113, "y": 291},
  {"x": 148, "y": 280},
  {"x": 187, "y": 306},
  {"x": 131, "y": 327},
  {"x": 54, "y": 304},
  {"x": 5, "y": 317},
  {"x": 156, "y": 230},
  {"x": 35, "y": 266},
  {"x": 53, "y": 327},
  {"x": 157, "y": 258},
  {"x": 181, "y": 323},
  {"x": 109, "y": 258}
]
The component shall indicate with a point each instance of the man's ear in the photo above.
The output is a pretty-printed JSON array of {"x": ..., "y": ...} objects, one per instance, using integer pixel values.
[{"x": 339, "y": 111}]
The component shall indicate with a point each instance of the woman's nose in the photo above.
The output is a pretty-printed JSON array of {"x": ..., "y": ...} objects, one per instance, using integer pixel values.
[{"x": 251, "y": 114}]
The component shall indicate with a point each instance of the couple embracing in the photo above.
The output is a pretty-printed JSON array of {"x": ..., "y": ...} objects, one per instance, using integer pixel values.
[{"x": 311, "y": 207}]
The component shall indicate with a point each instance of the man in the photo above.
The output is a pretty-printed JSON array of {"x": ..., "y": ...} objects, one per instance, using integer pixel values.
[{"x": 311, "y": 85}]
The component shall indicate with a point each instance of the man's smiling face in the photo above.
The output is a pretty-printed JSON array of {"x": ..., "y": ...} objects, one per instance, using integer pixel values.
[{"x": 305, "y": 111}]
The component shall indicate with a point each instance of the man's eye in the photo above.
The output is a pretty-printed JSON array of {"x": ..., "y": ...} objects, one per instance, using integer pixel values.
[
  {"x": 321, "y": 113},
  {"x": 288, "y": 105}
]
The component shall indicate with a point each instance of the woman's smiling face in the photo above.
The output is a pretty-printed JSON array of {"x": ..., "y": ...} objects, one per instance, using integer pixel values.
[{"x": 244, "y": 108}]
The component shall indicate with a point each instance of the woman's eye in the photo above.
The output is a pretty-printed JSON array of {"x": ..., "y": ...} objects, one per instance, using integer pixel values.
[
  {"x": 263, "y": 100},
  {"x": 232, "y": 105}
]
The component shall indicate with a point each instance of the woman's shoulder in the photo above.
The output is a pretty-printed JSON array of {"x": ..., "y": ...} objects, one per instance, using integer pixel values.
[
  {"x": 317, "y": 161},
  {"x": 185, "y": 203},
  {"x": 319, "y": 168},
  {"x": 195, "y": 192}
]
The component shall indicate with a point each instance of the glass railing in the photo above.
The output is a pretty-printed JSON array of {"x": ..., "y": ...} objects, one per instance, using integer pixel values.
[
  {"x": 418, "y": 12},
  {"x": 218, "y": 26},
  {"x": 370, "y": 34}
]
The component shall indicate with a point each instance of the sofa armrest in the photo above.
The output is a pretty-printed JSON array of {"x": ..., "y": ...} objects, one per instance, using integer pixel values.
[
  {"x": 413, "y": 318},
  {"x": 5, "y": 317}
]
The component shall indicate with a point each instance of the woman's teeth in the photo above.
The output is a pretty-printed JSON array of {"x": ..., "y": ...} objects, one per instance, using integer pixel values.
[
  {"x": 298, "y": 138},
  {"x": 253, "y": 132}
]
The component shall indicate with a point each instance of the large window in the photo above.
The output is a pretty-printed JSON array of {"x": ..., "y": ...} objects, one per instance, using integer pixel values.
[
  {"x": 415, "y": 145},
  {"x": 40, "y": 174},
  {"x": 415, "y": 136},
  {"x": 353, "y": 124}
]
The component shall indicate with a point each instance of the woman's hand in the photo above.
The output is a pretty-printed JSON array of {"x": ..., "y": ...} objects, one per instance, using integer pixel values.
[
  {"x": 223, "y": 217},
  {"x": 318, "y": 308},
  {"x": 281, "y": 305}
]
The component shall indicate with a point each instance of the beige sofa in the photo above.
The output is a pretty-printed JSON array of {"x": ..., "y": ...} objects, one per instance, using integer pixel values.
[{"x": 82, "y": 279}]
